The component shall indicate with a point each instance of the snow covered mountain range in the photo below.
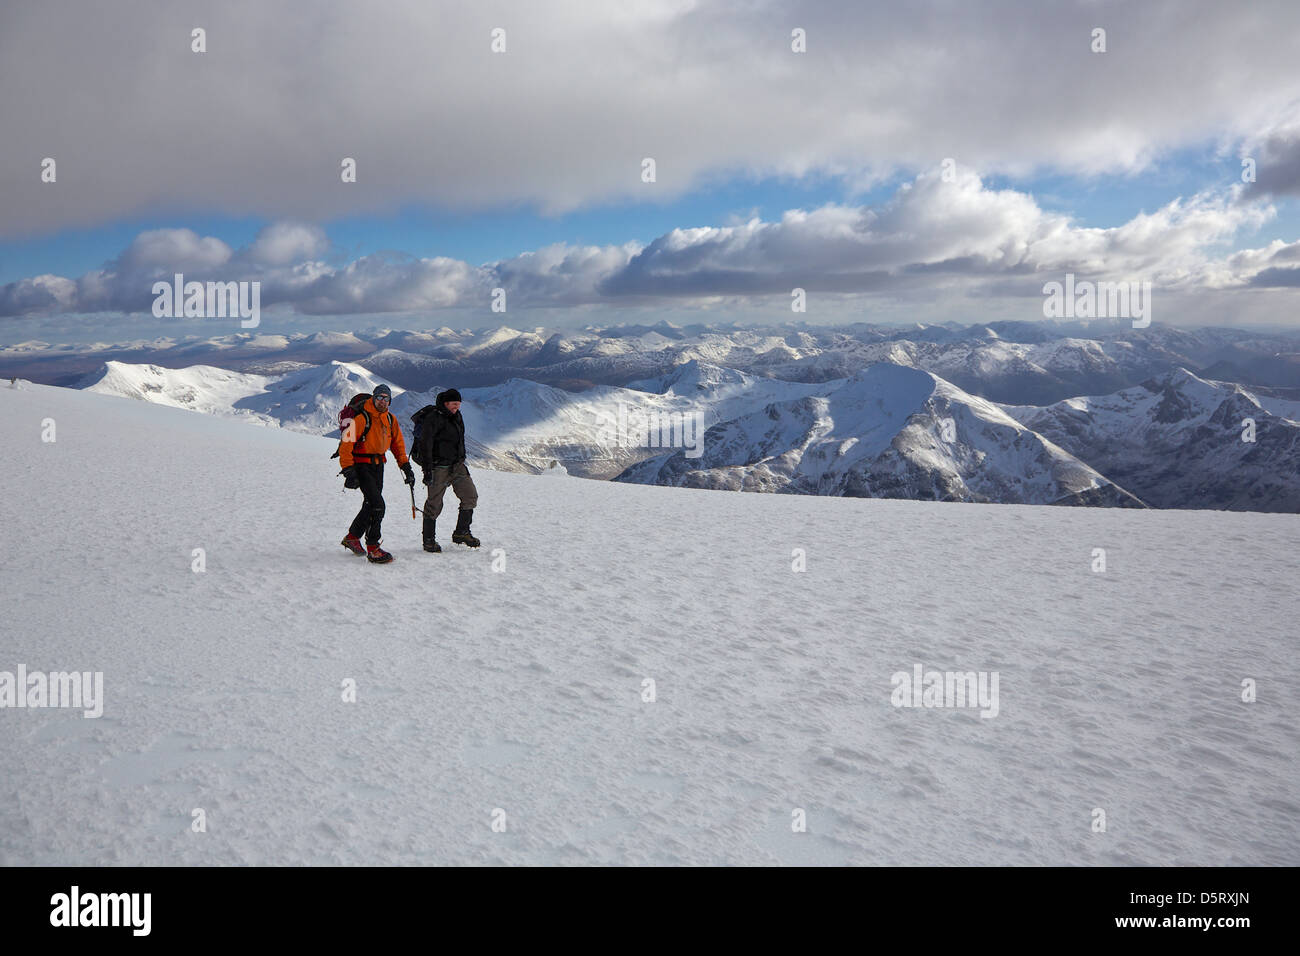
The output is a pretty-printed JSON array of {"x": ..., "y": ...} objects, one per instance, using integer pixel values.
[
  {"x": 1179, "y": 439},
  {"x": 830, "y": 413},
  {"x": 1015, "y": 362},
  {"x": 881, "y": 434}
]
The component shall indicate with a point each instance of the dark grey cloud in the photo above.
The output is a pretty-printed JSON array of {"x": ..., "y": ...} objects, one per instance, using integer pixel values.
[
  {"x": 1277, "y": 279},
  {"x": 258, "y": 124},
  {"x": 1277, "y": 166}
]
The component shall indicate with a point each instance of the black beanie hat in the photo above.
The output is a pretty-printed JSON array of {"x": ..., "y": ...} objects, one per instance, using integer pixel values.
[
  {"x": 383, "y": 390},
  {"x": 451, "y": 395}
]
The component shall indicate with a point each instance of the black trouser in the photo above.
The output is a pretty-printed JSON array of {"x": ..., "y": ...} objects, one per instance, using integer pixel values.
[{"x": 371, "y": 516}]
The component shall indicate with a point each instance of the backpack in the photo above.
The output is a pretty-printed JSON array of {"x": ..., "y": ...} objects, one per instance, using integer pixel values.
[
  {"x": 417, "y": 452},
  {"x": 347, "y": 413}
]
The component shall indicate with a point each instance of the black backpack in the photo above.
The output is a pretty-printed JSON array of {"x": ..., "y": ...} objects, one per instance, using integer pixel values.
[{"x": 417, "y": 451}]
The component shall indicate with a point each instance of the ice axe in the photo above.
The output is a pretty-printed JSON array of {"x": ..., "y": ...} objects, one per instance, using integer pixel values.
[{"x": 413, "y": 508}]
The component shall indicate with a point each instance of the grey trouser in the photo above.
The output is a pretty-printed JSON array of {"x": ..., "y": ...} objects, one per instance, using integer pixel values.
[{"x": 457, "y": 476}]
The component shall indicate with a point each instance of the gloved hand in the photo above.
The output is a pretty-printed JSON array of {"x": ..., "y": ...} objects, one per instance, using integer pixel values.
[
  {"x": 350, "y": 477},
  {"x": 409, "y": 473},
  {"x": 427, "y": 475}
]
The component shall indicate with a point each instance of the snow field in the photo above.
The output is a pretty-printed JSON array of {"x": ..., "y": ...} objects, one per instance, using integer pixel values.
[{"x": 521, "y": 688}]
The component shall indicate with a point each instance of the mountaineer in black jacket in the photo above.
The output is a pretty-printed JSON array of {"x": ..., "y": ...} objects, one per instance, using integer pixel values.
[{"x": 439, "y": 449}]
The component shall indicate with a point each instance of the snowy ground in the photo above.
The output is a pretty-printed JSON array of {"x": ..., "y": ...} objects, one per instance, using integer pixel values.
[{"x": 521, "y": 689}]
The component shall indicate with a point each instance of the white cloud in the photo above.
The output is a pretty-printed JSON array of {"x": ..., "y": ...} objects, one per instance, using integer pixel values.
[
  {"x": 381, "y": 283},
  {"x": 180, "y": 249},
  {"x": 932, "y": 236},
  {"x": 282, "y": 243}
]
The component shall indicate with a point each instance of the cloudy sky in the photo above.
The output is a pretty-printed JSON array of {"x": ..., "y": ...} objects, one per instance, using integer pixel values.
[{"x": 924, "y": 161}]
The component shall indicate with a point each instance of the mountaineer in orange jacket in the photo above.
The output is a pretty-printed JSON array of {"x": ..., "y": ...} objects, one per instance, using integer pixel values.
[{"x": 377, "y": 432}]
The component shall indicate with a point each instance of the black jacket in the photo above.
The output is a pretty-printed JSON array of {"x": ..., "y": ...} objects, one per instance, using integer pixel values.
[{"x": 442, "y": 436}]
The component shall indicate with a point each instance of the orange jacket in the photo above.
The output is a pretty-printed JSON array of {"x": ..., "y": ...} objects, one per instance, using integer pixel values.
[{"x": 384, "y": 434}]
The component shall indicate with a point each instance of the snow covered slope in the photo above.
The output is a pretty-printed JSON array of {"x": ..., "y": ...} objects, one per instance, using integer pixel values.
[
  {"x": 200, "y": 388},
  {"x": 309, "y": 400},
  {"x": 304, "y": 400},
  {"x": 881, "y": 434},
  {"x": 520, "y": 689}
]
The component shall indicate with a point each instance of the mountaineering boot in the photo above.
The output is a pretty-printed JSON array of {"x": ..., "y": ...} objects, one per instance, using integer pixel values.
[
  {"x": 430, "y": 539},
  {"x": 377, "y": 555},
  {"x": 461, "y": 535},
  {"x": 353, "y": 544}
]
